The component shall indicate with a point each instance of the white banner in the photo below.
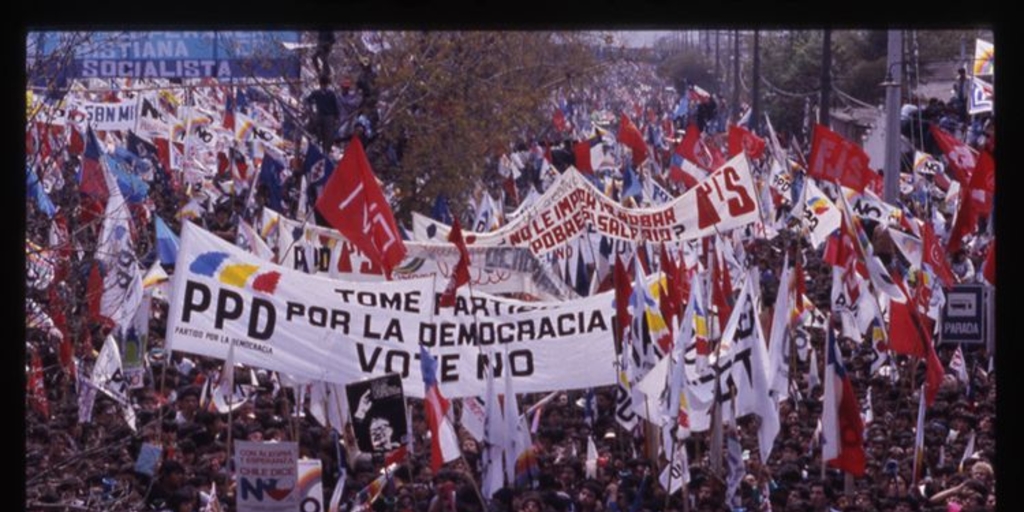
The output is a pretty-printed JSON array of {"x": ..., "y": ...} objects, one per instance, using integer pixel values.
[
  {"x": 318, "y": 250},
  {"x": 104, "y": 116},
  {"x": 322, "y": 329},
  {"x": 725, "y": 200},
  {"x": 268, "y": 476}
]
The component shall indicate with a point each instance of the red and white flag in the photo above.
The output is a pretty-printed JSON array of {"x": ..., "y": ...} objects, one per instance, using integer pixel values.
[
  {"x": 842, "y": 440},
  {"x": 962, "y": 159},
  {"x": 353, "y": 203},
  {"x": 444, "y": 445}
]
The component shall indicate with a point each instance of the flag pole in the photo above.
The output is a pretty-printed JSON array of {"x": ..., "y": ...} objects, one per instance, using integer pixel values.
[
  {"x": 671, "y": 458},
  {"x": 469, "y": 472},
  {"x": 231, "y": 423}
]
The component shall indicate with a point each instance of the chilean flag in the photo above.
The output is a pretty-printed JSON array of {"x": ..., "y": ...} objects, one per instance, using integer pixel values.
[
  {"x": 842, "y": 428},
  {"x": 444, "y": 445}
]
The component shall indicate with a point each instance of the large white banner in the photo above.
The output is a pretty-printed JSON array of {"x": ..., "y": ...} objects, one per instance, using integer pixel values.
[
  {"x": 725, "y": 200},
  {"x": 318, "y": 250},
  {"x": 317, "y": 328},
  {"x": 268, "y": 476},
  {"x": 120, "y": 116}
]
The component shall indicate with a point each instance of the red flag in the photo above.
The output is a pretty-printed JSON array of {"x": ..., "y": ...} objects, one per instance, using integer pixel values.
[
  {"x": 799, "y": 282},
  {"x": 559, "y": 120},
  {"x": 353, "y": 203},
  {"x": 77, "y": 144},
  {"x": 511, "y": 191},
  {"x": 37, "y": 387},
  {"x": 742, "y": 139},
  {"x": 983, "y": 184},
  {"x": 721, "y": 290},
  {"x": 669, "y": 302},
  {"x": 623, "y": 290},
  {"x": 838, "y": 160},
  {"x": 94, "y": 292},
  {"x": 229, "y": 112},
  {"x": 959, "y": 155},
  {"x": 988, "y": 269},
  {"x": 908, "y": 335},
  {"x": 934, "y": 256},
  {"x": 460, "y": 274},
  {"x": 965, "y": 224},
  {"x": 633, "y": 139}
]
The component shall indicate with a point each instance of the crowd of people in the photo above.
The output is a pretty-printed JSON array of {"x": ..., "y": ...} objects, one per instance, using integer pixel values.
[{"x": 178, "y": 455}]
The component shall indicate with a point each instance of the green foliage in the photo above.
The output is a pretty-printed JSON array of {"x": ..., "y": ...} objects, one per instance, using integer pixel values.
[
  {"x": 692, "y": 65},
  {"x": 451, "y": 99}
]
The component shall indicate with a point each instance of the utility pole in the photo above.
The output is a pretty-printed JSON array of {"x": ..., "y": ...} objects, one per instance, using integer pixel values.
[
  {"x": 891, "y": 178},
  {"x": 735, "y": 76},
  {"x": 755, "y": 88},
  {"x": 718, "y": 62},
  {"x": 824, "y": 112}
]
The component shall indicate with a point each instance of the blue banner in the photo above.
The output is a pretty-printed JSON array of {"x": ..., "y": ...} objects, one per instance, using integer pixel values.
[{"x": 216, "y": 54}]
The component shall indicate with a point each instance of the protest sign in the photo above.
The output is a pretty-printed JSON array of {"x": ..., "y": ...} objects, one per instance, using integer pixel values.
[
  {"x": 377, "y": 408},
  {"x": 268, "y": 476}
]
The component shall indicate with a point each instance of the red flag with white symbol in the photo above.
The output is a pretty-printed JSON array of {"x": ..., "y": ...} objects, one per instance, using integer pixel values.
[{"x": 353, "y": 203}]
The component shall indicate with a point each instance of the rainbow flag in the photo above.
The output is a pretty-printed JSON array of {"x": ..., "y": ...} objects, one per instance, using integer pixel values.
[{"x": 984, "y": 58}]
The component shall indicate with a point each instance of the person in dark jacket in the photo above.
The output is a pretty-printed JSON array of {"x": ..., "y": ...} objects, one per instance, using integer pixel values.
[{"x": 323, "y": 111}]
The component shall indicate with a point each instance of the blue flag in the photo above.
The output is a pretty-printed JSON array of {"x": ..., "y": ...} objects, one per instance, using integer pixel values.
[
  {"x": 582, "y": 277},
  {"x": 631, "y": 185},
  {"x": 241, "y": 102},
  {"x": 270, "y": 176},
  {"x": 442, "y": 212},
  {"x": 317, "y": 167},
  {"x": 131, "y": 186},
  {"x": 36, "y": 191},
  {"x": 167, "y": 242},
  {"x": 590, "y": 408}
]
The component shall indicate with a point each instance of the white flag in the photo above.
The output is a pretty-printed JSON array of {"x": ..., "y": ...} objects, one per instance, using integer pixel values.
[
  {"x": 122, "y": 281},
  {"x": 493, "y": 439},
  {"x": 108, "y": 377},
  {"x": 817, "y": 213},
  {"x": 328, "y": 404},
  {"x": 813, "y": 379},
  {"x": 677, "y": 472},
  {"x": 474, "y": 417},
  {"x": 591, "y": 463},
  {"x": 968, "y": 451},
  {"x": 778, "y": 339}
]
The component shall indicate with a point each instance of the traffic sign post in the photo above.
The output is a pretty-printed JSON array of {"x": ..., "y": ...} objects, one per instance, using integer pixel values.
[{"x": 966, "y": 315}]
